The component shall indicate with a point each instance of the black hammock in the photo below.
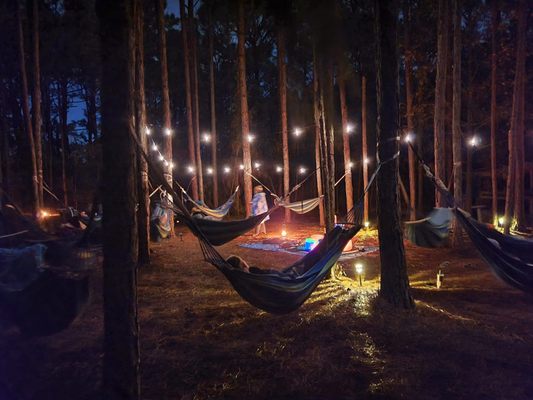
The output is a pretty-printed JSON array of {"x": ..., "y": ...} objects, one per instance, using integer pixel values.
[
  {"x": 274, "y": 292},
  {"x": 511, "y": 259}
]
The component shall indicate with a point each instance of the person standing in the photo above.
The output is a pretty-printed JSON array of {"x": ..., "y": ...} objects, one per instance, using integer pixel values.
[{"x": 260, "y": 206}]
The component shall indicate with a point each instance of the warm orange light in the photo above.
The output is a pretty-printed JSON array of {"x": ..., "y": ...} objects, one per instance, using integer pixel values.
[{"x": 283, "y": 233}]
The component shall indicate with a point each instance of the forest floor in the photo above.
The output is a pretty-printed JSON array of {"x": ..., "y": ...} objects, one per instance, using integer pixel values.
[{"x": 470, "y": 339}]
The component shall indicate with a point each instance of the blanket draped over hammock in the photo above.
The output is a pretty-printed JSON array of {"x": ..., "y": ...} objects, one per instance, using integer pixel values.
[
  {"x": 303, "y": 206},
  {"x": 219, "y": 212},
  {"x": 432, "y": 231}
]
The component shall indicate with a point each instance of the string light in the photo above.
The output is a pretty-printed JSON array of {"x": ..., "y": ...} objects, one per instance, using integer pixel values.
[
  {"x": 408, "y": 138},
  {"x": 209, "y": 171},
  {"x": 227, "y": 169},
  {"x": 190, "y": 169},
  {"x": 171, "y": 165},
  {"x": 148, "y": 131},
  {"x": 350, "y": 164},
  {"x": 257, "y": 165},
  {"x": 297, "y": 132},
  {"x": 474, "y": 141},
  {"x": 350, "y": 128},
  {"x": 279, "y": 169},
  {"x": 241, "y": 167},
  {"x": 251, "y": 138},
  {"x": 168, "y": 131},
  {"x": 206, "y": 137},
  {"x": 302, "y": 170},
  {"x": 154, "y": 147},
  {"x": 161, "y": 158},
  {"x": 366, "y": 161}
]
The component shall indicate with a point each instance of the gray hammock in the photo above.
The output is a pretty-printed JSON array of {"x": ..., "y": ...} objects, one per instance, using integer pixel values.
[
  {"x": 303, "y": 206},
  {"x": 431, "y": 231}
]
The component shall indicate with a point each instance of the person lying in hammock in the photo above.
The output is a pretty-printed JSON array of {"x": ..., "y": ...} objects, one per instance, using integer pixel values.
[
  {"x": 260, "y": 206},
  {"x": 238, "y": 263},
  {"x": 196, "y": 212}
]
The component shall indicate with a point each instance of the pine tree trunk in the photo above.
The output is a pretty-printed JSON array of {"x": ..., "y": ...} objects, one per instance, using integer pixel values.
[
  {"x": 346, "y": 145},
  {"x": 63, "y": 113},
  {"x": 364, "y": 146},
  {"x": 26, "y": 112},
  {"x": 329, "y": 137},
  {"x": 410, "y": 114},
  {"x": 188, "y": 96},
  {"x": 516, "y": 139},
  {"x": 519, "y": 212},
  {"x": 214, "y": 139},
  {"x": 493, "y": 109},
  {"x": 282, "y": 68},
  {"x": 394, "y": 279},
  {"x": 316, "y": 115},
  {"x": 439, "y": 117},
  {"x": 245, "y": 122},
  {"x": 196, "y": 101},
  {"x": 47, "y": 123},
  {"x": 121, "y": 377},
  {"x": 36, "y": 102},
  {"x": 456, "y": 120},
  {"x": 143, "y": 214},
  {"x": 165, "y": 99}
]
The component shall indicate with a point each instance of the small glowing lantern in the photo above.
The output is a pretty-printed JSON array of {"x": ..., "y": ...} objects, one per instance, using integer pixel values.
[
  {"x": 283, "y": 231},
  {"x": 501, "y": 221},
  {"x": 359, "y": 272},
  {"x": 367, "y": 224}
]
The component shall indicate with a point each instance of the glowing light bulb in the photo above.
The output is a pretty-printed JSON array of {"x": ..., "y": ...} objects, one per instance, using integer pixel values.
[
  {"x": 350, "y": 128},
  {"x": 241, "y": 167},
  {"x": 148, "y": 131},
  {"x": 302, "y": 170},
  {"x": 154, "y": 147},
  {"x": 367, "y": 224},
  {"x": 251, "y": 138},
  {"x": 283, "y": 233},
  {"x": 350, "y": 164},
  {"x": 408, "y": 138},
  {"x": 257, "y": 165},
  {"x": 161, "y": 158},
  {"x": 209, "y": 171},
  {"x": 501, "y": 221},
  {"x": 227, "y": 169},
  {"x": 474, "y": 141},
  {"x": 366, "y": 161},
  {"x": 168, "y": 131},
  {"x": 190, "y": 169},
  {"x": 297, "y": 132},
  {"x": 206, "y": 137},
  {"x": 279, "y": 169},
  {"x": 359, "y": 268},
  {"x": 171, "y": 165}
]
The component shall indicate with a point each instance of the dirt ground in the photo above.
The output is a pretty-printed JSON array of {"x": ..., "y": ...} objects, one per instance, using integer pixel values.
[{"x": 470, "y": 339}]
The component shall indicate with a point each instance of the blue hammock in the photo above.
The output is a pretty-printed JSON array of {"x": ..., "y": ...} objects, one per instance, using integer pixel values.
[
  {"x": 214, "y": 213},
  {"x": 432, "y": 231},
  {"x": 160, "y": 221}
]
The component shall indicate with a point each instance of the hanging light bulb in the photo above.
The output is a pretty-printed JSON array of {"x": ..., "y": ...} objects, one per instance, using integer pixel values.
[
  {"x": 161, "y": 158},
  {"x": 474, "y": 141},
  {"x": 367, "y": 224},
  {"x": 154, "y": 147},
  {"x": 206, "y": 137},
  {"x": 168, "y": 131},
  {"x": 241, "y": 167},
  {"x": 302, "y": 170},
  {"x": 350, "y": 164},
  {"x": 408, "y": 138},
  {"x": 171, "y": 165},
  {"x": 227, "y": 169},
  {"x": 350, "y": 128},
  {"x": 148, "y": 131},
  {"x": 366, "y": 161},
  {"x": 257, "y": 165},
  {"x": 251, "y": 138},
  {"x": 297, "y": 132},
  {"x": 209, "y": 171},
  {"x": 279, "y": 169},
  {"x": 190, "y": 169}
]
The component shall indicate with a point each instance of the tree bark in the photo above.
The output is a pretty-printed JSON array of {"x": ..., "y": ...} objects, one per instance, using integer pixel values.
[
  {"x": 143, "y": 214},
  {"x": 36, "y": 102},
  {"x": 364, "y": 145},
  {"x": 519, "y": 212},
  {"x": 26, "y": 112},
  {"x": 121, "y": 331},
  {"x": 196, "y": 101},
  {"x": 410, "y": 114},
  {"x": 495, "y": 13},
  {"x": 439, "y": 116},
  {"x": 63, "y": 113},
  {"x": 316, "y": 115},
  {"x": 245, "y": 122},
  {"x": 165, "y": 99},
  {"x": 457, "y": 146},
  {"x": 516, "y": 139},
  {"x": 188, "y": 96},
  {"x": 282, "y": 68},
  {"x": 214, "y": 139},
  {"x": 394, "y": 279},
  {"x": 346, "y": 145}
]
